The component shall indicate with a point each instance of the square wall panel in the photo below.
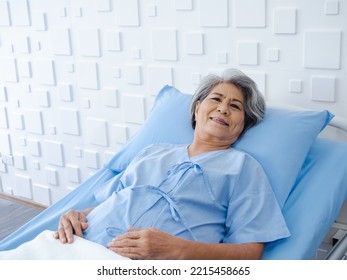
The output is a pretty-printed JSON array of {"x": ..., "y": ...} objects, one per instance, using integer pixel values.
[
  {"x": 69, "y": 121},
  {"x": 20, "y": 13},
  {"x": 23, "y": 186},
  {"x": 113, "y": 41},
  {"x": 3, "y": 168},
  {"x": 247, "y": 52},
  {"x": 134, "y": 109},
  {"x": 133, "y": 74},
  {"x": 5, "y": 19},
  {"x": 42, "y": 194},
  {"x": 97, "y": 132},
  {"x": 18, "y": 121},
  {"x": 65, "y": 92},
  {"x": 214, "y": 13},
  {"x": 323, "y": 88},
  {"x": 285, "y": 21},
  {"x": 3, "y": 94},
  {"x": 110, "y": 97},
  {"x": 250, "y": 13},
  {"x": 43, "y": 98},
  {"x": 88, "y": 75},
  {"x": 89, "y": 44},
  {"x": 295, "y": 86},
  {"x": 61, "y": 41},
  {"x": 331, "y": 7},
  {"x": 222, "y": 57},
  {"x": 24, "y": 69},
  {"x": 33, "y": 121},
  {"x": 184, "y": 5},
  {"x": 164, "y": 44},
  {"x": 120, "y": 133},
  {"x": 91, "y": 159},
  {"x": 45, "y": 72},
  {"x": 273, "y": 54},
  {"x": 158, "y": 77},
  {"x": 35, "y": 164},
  {"x": 39, "y": 21},
  {"x": 73, "y": 172},
  {"x": 103, "y": 5},
  {"x": 34, "y": 147},
  {"x": 52, "y": 176},
  {"x": 23, "y": 44},
  {"x": 127, "y": 12},
  {"x": 3, "y": 117},
  {"x": 19, "y": 161},
  {"x": 5, "y": 143},
  {"x": 8, "y": 69},
  {"x": 54, "y": 153},
  {"x": 319, "y": 42}
]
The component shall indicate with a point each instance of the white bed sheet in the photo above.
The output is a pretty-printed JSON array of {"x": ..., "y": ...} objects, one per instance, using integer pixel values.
[{"x": 46, "y": 247}]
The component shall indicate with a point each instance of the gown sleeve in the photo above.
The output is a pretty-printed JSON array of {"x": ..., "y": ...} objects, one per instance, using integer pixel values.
[{"x": 254, "y": 214}]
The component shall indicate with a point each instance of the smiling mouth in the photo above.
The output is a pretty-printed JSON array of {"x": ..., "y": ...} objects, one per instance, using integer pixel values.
[{"x": 219, "y": 121}]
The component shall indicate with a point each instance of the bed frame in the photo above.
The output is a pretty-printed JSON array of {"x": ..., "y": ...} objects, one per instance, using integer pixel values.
[{"x": 337, "y": 130}]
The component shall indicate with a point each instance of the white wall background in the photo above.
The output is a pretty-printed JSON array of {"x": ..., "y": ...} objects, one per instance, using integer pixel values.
[{"x": 78, "y": 77}]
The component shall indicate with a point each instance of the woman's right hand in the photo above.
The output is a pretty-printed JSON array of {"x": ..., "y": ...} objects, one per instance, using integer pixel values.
[{"x": 72, "y": 222}]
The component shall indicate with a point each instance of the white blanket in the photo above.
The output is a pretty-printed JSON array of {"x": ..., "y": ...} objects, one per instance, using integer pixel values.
[{"x": 46, "y": 247}]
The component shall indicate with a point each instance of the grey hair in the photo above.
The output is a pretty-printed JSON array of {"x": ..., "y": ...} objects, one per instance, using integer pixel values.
[{"x": 254, "y": 104}]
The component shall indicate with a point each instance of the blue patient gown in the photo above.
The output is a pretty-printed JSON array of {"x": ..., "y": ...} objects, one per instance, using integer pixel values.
[{"x": 217, "y": 197}]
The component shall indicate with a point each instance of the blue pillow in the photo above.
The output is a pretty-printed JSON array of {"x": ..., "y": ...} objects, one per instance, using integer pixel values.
[
  {"x": 315, "y": 201},
  {"x": 280, "y": 142}
]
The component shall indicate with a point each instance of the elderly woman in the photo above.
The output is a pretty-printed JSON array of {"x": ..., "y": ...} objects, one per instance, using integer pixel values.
[{"x": 205, "y": 200}]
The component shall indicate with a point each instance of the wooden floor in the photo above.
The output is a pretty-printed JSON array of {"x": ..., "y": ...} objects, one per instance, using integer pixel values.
[{"x": 14, "y": 214}]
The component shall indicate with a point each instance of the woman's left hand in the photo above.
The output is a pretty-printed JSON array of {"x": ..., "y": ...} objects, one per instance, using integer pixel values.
[{"x": 146, "y": 244}]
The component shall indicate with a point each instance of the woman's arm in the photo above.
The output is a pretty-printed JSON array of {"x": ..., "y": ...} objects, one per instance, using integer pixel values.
[
  {"x": 73, "y": 222},
  {"x": 155, "y": 244}
]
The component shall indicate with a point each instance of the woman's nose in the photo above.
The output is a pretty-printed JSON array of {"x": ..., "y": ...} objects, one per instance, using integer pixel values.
[{"x": 223, "y": 108}]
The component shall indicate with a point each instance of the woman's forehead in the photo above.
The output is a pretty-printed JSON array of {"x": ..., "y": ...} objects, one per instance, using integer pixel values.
[{"x": 227, "y": 90}]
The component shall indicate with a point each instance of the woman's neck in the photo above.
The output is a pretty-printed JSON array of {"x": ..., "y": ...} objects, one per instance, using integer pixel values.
[{"x": 198, "y": 147}]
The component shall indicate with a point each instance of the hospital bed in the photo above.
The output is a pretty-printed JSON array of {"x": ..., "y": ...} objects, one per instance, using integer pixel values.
[{"x": 308, "y": 171}]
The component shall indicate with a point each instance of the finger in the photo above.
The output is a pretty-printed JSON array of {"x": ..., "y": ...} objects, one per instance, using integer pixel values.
[
  {"x": 82, "y": 218},
  {"x": 125, "y": 240},
  {"x": 56, "y": 235},
  {"x": 129, "y": 252},
  {"x": 66, "y": 231},
  {"x": 61, "y": 234},
  {"x": 76, "y": 228},
  {"x": 133, "y": 234},
  {"x": 131, "y": 228},
  {"x": 84, "y": 226}
]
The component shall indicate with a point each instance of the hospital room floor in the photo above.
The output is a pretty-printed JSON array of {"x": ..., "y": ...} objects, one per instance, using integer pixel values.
[{"x": 15, "y": 214}]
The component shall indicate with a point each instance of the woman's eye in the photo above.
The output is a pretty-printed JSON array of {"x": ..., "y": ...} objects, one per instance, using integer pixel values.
[
  {"x": 235, "y": 106},
  {"x": 216, "y": 98}
]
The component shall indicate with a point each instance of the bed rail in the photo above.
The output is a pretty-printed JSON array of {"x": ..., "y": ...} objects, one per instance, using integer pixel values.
[
  {"x": 339, "y": 123},
  {"x": 339, "y": 251}
]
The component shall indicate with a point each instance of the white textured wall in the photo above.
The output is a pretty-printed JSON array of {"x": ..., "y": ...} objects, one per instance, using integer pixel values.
[{"x": 78, "y": 77}]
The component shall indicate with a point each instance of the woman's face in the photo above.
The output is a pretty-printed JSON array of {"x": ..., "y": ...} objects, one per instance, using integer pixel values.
[{"x": 220, "y": 116}]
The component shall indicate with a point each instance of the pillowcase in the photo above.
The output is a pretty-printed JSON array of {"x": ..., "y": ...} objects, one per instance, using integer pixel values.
[
  {"x": 315, "y": 201},
  {"x": 280, "y": 142}
]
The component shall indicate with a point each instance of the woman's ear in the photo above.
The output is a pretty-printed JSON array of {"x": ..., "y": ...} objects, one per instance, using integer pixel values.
[{"x": 197, "y": 107}]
